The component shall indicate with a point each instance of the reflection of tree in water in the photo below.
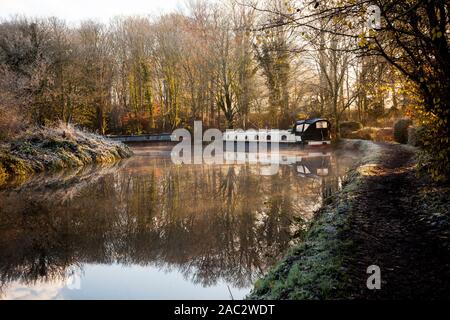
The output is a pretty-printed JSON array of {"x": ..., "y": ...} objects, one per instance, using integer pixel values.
[{"x": 208, "y": 222}]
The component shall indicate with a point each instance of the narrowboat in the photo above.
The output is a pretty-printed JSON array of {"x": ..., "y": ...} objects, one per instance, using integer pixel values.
[{"x": 307, "y": 132}]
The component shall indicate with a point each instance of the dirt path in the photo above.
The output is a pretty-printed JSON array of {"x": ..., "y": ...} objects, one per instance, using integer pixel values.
[{"x": 389, "y": 227}]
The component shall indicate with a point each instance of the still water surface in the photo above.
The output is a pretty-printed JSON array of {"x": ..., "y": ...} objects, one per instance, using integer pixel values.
[{"x": 145, "y": 228}]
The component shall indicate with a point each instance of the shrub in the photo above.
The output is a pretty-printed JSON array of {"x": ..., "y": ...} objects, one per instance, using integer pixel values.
[
  {"x": 401, "y": 130},
  {"x": 413, "y": 136},
  {"x": 384, "y": 134},
  {"x": 350, "y": 126},
  {"x": 3, "y": 174},
  {"x": 434, "y": 140},
  {"x": 10, "y": 123},
  {"x": 371, "y": 133},
  {"x": 366, "y": 133}
]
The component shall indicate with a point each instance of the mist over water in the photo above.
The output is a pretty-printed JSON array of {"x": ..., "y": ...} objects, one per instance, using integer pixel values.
[{"x": 147, "y": 228}]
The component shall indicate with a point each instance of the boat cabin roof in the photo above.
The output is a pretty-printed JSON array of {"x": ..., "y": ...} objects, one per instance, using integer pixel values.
[{"x": 311, "y": 121}]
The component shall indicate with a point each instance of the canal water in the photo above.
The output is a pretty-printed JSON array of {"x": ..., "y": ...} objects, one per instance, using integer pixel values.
[{"x": 146, "y": 228}]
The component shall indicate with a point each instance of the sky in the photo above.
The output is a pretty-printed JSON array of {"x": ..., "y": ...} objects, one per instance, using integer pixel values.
[{"x": 74, "y": 11}]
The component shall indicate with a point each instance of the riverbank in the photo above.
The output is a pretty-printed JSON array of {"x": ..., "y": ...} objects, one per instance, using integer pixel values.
[
  {"x": 44, "y": 149},
  {"x": 384, "y": 215}
]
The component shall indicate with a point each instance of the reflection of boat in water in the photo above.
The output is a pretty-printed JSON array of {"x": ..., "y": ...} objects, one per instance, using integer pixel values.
[
  {"x": 311, "y": 164},
  {"x": 315, "y": 166}
]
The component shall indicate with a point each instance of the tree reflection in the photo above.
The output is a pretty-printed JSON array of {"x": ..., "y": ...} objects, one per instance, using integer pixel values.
[{"x": 209, "y": 222}]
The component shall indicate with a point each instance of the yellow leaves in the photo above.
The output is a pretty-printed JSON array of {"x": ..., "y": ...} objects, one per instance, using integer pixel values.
[
  {"x": 372, "y": 33},
  {"x": 369, "y": 170},
  {"x": 436, "y": 33},
  {"x": 365, "y": 42},
  {"x": 435, "y": 140},
  {"x": 339, "y": 20},
  {"x": 306, "y": 36},
  {"x": 362, "y": 42}
]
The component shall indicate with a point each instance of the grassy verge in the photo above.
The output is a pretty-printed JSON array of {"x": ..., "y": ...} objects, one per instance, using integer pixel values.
[
  {"x": 55, "y": 148},
  {"x": 314, "y": 269}
]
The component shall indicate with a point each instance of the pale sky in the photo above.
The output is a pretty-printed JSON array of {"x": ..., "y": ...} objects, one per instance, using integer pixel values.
[{"x": 75, "y": 10}]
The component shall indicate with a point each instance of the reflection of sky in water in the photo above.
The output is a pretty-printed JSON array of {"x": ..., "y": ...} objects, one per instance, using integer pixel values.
[
  {"x": 39, "y": 291},
  {"x": 123, "y": 282},
  {"x": 146, "y": 229}
]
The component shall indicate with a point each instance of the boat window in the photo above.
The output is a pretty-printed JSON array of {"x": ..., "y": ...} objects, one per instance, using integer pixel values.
[
  {"x": 303, "y": 169},
  {"x": 300, "y": 128},
  {"x": 283, "y": 138},
  {"x": 246, "y": 138},
  {"x": 256, "y": 137},
  {"x": 269, "y": 137},
  {"x": 321, "y": 124}
]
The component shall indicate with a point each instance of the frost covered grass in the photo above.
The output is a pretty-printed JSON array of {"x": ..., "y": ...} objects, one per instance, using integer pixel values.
[{"x": 40, "y": 149}]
